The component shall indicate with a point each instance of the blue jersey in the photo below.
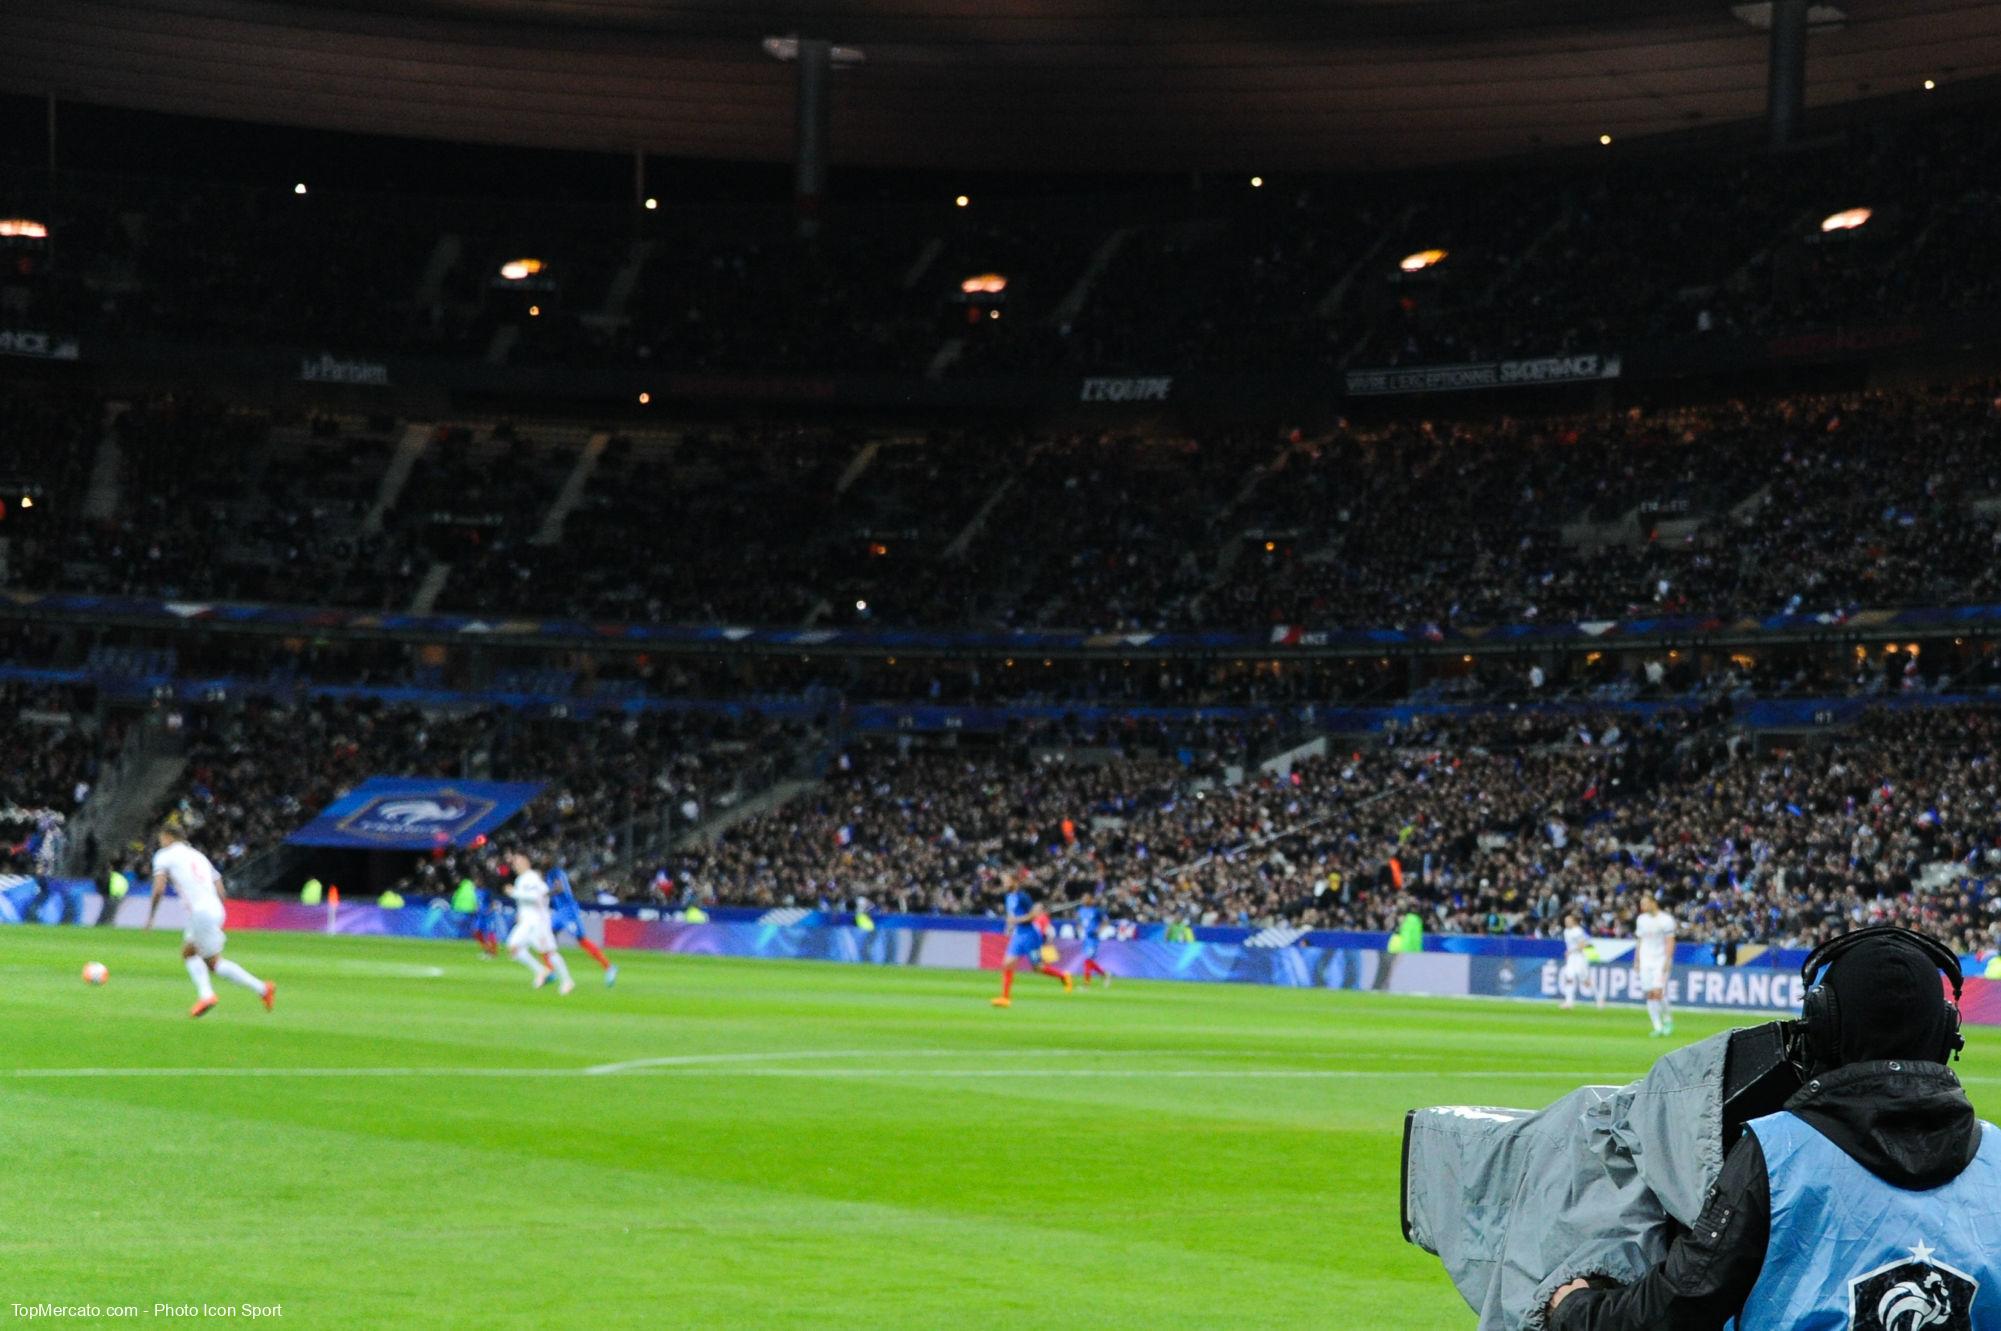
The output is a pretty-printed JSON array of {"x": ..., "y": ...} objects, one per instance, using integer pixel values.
[
  {"x": 564, "y": 914},
  {"x": 1089, "y": 920},
  {"x": 1024, "y": 939}
]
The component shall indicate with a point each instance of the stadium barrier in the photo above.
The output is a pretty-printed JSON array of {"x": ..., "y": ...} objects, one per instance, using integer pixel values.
[{"x": 1450, "y": 967}]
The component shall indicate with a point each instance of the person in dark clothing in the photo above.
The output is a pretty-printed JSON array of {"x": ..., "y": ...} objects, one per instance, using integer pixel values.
[{"x": 1872, "y": 1202}]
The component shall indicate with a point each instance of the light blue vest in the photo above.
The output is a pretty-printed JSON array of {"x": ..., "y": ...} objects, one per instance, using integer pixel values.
[{"x": 1850, "y": 1251}]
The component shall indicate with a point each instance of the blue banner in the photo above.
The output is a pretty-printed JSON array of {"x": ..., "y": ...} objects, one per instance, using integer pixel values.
[
  {"x": 1739, "y": 988},
  {"x": 1838, "y": 623},
  {"x": 415, "y": 813}
]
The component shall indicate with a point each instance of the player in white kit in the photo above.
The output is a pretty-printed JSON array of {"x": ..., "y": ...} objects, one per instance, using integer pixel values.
[
  {"x": 532, "y": 940},
  {"x": 199, "y": 887},
  {"x": 1576, "y": 971},
  {"x": 1655, "y": 930}
]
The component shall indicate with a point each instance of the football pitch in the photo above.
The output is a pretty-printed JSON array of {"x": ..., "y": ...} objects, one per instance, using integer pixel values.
[{"x": 415, "y": 1138}]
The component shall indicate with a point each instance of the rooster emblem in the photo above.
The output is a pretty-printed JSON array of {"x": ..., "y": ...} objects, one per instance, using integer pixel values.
[
  {"x": 1911, "y": 1305},
  {"x": 410, "y": 812}
]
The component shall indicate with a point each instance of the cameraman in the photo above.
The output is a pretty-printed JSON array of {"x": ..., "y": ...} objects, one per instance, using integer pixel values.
[{"x": 1872, "y": 1202}]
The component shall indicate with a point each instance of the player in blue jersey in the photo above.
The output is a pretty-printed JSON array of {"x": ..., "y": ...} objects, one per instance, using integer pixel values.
[
  {"x": 568, "y": 918},
  {"x": 486, "y": 923},
  {"x": 1090, "y": 919},
  {"x": 1024, "y": 945}
]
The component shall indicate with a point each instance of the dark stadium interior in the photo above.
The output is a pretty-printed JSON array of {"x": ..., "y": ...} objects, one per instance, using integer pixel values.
[{"x": 1117, "y": 84}]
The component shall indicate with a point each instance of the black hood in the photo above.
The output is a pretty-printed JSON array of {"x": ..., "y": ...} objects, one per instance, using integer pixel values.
[{"x": 1908, "y": 1123}]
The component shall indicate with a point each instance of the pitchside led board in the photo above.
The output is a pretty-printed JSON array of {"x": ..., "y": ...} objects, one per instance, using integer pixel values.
[{"x": 415, "y": 813}]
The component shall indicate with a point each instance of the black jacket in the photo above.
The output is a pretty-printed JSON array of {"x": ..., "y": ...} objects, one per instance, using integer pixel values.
[{"x": 1910, "y": 1124}]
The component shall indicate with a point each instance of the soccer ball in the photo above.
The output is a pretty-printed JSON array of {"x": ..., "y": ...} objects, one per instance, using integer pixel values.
[{"x": 96, "y": 973}]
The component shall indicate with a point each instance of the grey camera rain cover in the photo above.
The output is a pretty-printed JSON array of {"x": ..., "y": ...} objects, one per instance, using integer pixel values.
[{"x": 1516, "y": 1202}]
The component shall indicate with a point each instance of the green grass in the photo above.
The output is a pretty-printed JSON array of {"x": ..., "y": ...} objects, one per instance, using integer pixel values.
[{"x": 862, "y": 1147}]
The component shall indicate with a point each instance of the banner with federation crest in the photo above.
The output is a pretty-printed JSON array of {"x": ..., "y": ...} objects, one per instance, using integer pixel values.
[{"x": 415, "y": 813}]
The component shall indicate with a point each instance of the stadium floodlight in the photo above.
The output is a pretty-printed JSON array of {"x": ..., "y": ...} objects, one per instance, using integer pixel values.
[
  {"x": 1604, "y": 140},
  {"x": 651, "y": 204},
  {"x": 520, "y": 270},
  {"x": 22, "y": 228},
  {"x": 534, "y": 311},
  {"x": 645, "y": 398},
  {"x": 1819, "y": 17},
  {"x": 1930, "y": 84},
  {"x": 1423, "y": 259},
  {"x": 1848, "y": 219},
  {"x": 961, "y": 201},
  {"x": 984, "y": 284},
  {"x": 787, "y": 48},
  {"x": 299, "y": 188},
  {"x": 1257, "y": 182}
]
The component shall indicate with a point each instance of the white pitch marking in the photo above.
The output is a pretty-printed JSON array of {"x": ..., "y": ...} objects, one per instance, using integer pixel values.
[
  {"x": 672, "y": 1061},
  {"x": 744, "y": 1069},
  {"x": 59, "y": 1073},
  {"x": 750, "y": 1064},
  {"x": 705, "y": 1060}
]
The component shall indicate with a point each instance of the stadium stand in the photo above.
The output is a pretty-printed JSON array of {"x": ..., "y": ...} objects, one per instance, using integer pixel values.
[
  {"x": 256, "y": 773},
  {"x": 1829, "y": 503},
  {"x": 1482, "y": 826}
]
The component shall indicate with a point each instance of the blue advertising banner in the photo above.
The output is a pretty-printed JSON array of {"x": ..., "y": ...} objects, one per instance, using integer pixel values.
[
  {"x": 415, "y": 813},
  {"x": 26, "y": 900},
  {"x": 1845, "y": 622},
  {"x": 1736, "y": 988}
]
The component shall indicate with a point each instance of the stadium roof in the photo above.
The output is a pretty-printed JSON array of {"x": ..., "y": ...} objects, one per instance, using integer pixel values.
[{"x": 1006, "y": 84}]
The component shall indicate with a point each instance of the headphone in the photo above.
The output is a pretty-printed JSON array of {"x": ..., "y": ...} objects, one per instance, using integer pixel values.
[{"x": 1820, "y": 1015}]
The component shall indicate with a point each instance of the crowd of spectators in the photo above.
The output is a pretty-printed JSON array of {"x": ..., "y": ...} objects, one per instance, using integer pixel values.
[
  {"x": 54, "y": 746},
  {"x": 57, "y": 750},
  {"x": 1497, "y": 823},
  {"x": 1816, "y": 505},
  {"x": 1808, "y": 504},
  {"x": 615, "y": 783}
]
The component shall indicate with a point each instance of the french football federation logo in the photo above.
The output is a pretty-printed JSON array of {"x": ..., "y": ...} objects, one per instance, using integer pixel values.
[{"x": 1920, "y": 1293}]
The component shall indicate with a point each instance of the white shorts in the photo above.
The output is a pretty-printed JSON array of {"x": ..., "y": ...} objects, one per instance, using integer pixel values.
[
  {"x": 1576, "y": 968},
  {"x": 531, "y": 934},
  {"x": 205, "y": 932},
  {"x": 1653, "y": 975}
]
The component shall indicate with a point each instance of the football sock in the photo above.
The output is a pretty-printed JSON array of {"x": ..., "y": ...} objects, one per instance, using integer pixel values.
[
  {"x": 596, "y": 952},
  {"x": 1007, "y": 983},
  {"x": 1654, "y": 1012},
  {"x": 1051, "y": 972},
  {"x": 555, "y": 962},
  {"x": 198, "y": 972},
  {"x": 235, "y": 974}
]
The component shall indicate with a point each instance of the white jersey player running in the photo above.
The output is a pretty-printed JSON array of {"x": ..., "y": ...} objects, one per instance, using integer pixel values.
[
  {"x": 532, "y": 940},
  {"x": 1576, "y": 973},
  {"x": 199, "y": 887},
  {"x": 1655, "y": 930}
]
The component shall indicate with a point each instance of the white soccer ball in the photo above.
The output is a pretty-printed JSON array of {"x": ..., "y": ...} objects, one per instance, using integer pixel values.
[{"x": 96, "y": 972}]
